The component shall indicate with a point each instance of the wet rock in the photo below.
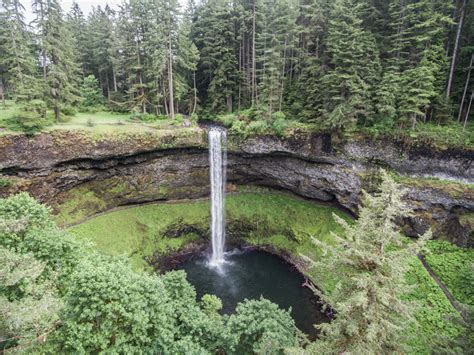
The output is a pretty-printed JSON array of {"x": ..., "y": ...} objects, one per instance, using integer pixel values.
[{"x": 60, "y": 166}]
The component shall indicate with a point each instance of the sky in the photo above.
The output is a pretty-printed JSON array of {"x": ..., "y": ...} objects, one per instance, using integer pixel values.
[{"x": 86, "y": 6}]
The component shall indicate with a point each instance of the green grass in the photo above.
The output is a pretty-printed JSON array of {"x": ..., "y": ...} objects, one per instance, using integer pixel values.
[
  {"x": 454, "y": 266},
  {"x": 454, "y": 189},
  {"x": 7, "y": 110},
  {"x": 441, "y": 137},
  {"x": 97, "y": 122},
  {"x": 138, "y": 231}
]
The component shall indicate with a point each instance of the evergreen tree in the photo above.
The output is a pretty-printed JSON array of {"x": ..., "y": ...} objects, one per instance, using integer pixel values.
[
  {"x": 186, "y": 66},
  {"x": 17, "y": 59},
  {"x": 218, "y": 66},
  {"x": 355, "y": 68},
  {"x": 82, "y": 41},
  {"x": 60, "y": 71},
  {"x": 312, "y": 24},
  {"x": 370, "y": 259},
  {"x": 274, "y": 42}
]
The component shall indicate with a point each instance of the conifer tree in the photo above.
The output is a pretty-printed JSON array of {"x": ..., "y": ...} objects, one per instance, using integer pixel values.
[
  {"x": 186, "y": 65},
  {"x": 355, "y": 67},
  {"x": 17, "y": 59},
  {"x": 370, "y": 259},
  {"x": 79, "y": 29},
  {"x": 60, "y": 71},
  {"x": 312, "y": 24},
  {"x": 216, "y": 40},
  {"x": 274, "y": 42}
]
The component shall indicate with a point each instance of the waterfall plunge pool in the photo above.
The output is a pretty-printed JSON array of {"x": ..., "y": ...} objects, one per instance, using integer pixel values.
[{"x": 252, "y": 274}]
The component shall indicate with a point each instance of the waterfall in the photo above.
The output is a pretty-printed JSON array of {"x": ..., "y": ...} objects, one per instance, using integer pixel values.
[{"x": 217, "y": 160}]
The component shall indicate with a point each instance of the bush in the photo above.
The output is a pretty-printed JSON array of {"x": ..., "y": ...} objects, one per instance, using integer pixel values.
[
  {"x": 280, "y": 124},
  {"x": 68, "y": 110},
  {"x": 118, "y": 102},
  {"x": 145, "y": 117},
  {"x": 28, "y": 122},
  {"x": 258, "y": 127}
]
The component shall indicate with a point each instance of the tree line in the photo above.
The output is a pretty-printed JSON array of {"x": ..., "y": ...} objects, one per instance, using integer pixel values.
[{"x": 332, "y": 63}]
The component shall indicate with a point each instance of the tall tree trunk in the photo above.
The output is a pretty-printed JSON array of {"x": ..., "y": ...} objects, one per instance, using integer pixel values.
[
  {"x": 283, "y": 76},
  {"x": 229, "y": 103},
  {"x": 170, "y": 77},
  {"x": 165, "y": 101},
  {"x": 114, "y": 78},
  {"x": 254, "y": 63},
  {"x": 468, "y": 112},
  {"x": 195, "y": 93},
  {"x": 466, "y": 86},
  {"x": 108, "y": 85},
  {"x": 2, "y": 93},
  {"x": 455, "y": 50}
]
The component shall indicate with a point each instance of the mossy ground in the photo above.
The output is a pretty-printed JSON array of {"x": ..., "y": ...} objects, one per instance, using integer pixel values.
[{"x": 138, "y": 231}]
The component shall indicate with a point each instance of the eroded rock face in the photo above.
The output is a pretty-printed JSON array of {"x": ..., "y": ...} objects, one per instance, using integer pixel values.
[{"x": 90, "y": 175}]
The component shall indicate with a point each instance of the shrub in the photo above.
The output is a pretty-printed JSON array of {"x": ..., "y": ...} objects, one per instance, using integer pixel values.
[
  {"x": 258, "y": 127},
  {"x": 144, "y": 117},
  {"x": 280, "y": 124},
  {"x": 5, "y": 182},
  {"x": 239, "y": 128},
  {"x": 69, "y": 110}
]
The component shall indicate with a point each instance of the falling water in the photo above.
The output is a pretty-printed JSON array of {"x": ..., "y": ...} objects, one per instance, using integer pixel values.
[{"x": 217, "y": 159}]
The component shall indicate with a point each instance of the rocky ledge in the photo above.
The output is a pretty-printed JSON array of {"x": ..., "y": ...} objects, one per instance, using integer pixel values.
[{"x": 80, "y": 174}]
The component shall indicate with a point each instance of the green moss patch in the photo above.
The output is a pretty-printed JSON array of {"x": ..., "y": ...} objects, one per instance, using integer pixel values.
[{"x": 139, "y": 231}]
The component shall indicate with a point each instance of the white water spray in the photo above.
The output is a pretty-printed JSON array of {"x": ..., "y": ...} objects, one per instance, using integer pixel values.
[{"x": 217, "y": 160}]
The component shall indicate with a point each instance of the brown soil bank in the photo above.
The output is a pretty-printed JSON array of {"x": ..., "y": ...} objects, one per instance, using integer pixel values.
[{"x": 80, "y": 174}]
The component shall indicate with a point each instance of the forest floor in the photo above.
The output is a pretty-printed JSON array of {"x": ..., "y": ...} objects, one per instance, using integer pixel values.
[
  {"x": 284, "y": 223},
  {"x": 97, "y": 122}
]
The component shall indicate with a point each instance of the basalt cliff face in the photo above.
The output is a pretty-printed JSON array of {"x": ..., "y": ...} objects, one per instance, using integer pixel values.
[{"x": 81, "y": 174}]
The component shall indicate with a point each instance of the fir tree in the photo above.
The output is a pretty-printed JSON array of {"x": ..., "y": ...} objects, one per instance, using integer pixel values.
[
  {"x": 355, "y": 68},
  {"x": 370, "y": 259},
  {"x": 60, "y": 71},
  {"x": 17, "y": 59}
]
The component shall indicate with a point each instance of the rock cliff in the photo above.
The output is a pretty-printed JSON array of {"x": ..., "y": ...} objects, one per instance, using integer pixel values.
[{"x": 80, "y": 174}]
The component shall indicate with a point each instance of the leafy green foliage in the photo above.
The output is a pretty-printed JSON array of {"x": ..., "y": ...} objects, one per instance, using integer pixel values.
[
  {"x": 29, "y": 306},
  {"x": 258, "y": 326},
  {"x": 56, "y": 290},
  {"x": 433, "y": 310},
  {"x": 453, "y": 265}
]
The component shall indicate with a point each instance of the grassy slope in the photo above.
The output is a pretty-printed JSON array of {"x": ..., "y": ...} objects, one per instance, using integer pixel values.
[
  {"x": 97, "y": 122},
  {"x": 454, "y": 266},
  {"x": 136, "y": 232}
]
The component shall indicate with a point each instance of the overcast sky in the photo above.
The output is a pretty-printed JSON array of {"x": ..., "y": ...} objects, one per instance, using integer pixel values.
[{"x": 86, "y": 5}]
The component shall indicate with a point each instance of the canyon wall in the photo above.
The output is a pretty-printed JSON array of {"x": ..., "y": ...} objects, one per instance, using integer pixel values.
[{"x": 80, "y": 174}]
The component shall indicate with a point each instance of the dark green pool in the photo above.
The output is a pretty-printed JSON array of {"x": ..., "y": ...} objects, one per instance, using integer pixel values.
[{"x": 253, "y": 274}]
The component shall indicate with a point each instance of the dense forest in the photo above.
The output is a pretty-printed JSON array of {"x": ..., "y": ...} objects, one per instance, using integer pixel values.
[{"x": 334, "y": 64}]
